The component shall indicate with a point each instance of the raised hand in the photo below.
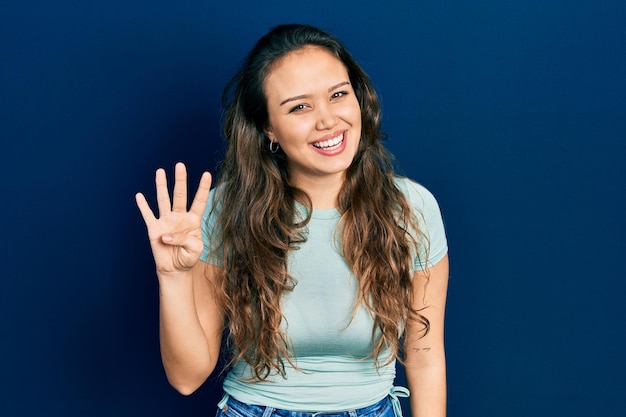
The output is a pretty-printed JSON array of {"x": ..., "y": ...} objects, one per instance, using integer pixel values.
[{"x": 175, "y": 236}]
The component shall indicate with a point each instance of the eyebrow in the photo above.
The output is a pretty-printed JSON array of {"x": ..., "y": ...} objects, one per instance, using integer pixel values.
[{"x": 296, "y": 98}]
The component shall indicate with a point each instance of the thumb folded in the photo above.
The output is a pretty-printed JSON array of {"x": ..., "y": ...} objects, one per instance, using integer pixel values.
[{"x": 178, "y": 239}]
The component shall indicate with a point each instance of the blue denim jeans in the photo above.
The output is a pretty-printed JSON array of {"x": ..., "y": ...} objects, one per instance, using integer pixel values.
[{"x": 387, "y": 407}]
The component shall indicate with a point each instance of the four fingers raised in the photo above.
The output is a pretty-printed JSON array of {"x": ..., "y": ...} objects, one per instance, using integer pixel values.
[{"x": 179, "y": 203}]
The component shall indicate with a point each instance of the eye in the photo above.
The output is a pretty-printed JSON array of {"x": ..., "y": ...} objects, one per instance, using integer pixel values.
[
  {"x": 297, "y": 108},
  {"x": 338, "y": 94}
]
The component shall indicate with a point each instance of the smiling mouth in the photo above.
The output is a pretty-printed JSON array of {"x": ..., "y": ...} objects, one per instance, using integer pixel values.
[{"x": 330, "y": 144}]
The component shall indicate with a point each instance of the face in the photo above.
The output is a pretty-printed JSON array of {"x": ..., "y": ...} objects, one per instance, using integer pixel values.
[{"x": 313, "y": 114}]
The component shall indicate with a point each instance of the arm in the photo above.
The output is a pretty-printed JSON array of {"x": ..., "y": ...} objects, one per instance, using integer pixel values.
[
  {"x": 425, "y": 361},
  {"x": 191, "y": 313},
  {"x": 190, "y": 326}
]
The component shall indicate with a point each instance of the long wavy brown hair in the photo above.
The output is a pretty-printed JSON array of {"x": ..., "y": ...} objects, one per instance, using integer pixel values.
[{"x": 256, "y": 226}]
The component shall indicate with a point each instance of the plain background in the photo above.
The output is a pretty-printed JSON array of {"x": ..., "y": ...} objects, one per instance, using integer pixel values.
[{"x": 512, "y": 113}]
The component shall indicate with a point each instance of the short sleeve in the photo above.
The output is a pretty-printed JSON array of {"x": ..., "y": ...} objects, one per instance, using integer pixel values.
[
  {"x": 433, "y": 246},
  {"x": 211, "y": 252}
]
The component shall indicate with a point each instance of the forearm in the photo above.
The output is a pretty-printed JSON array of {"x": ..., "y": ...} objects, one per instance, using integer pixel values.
[
  {"x": 188, "y": 357},
  {"x": 425, "y": 361},
  {"x": 428, "y": 390}
]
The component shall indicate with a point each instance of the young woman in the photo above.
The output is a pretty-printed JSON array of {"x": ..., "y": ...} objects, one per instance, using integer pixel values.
[{"x": 324, "y": 266}]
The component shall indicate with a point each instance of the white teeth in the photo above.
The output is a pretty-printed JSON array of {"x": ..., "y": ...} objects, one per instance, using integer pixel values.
[{"x": 329, "y": 143}]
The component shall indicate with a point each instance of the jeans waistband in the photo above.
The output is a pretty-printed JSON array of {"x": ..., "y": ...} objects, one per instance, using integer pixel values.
[{"x": 248, "y": 410}]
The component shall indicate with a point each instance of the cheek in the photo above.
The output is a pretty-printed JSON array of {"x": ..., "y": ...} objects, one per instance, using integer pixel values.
[
  {"x": 353, "y": 112},
  {"x": 292, "y": 129}
]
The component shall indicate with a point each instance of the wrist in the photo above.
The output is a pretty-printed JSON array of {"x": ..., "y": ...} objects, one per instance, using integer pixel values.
[{"x": 173, "y": 277}]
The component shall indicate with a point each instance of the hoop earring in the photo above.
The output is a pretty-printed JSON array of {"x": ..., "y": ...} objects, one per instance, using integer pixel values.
[{"x": 272, "y": 149}]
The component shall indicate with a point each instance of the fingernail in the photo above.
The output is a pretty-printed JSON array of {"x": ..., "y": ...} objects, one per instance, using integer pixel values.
[{"x": 167, "y": 238}]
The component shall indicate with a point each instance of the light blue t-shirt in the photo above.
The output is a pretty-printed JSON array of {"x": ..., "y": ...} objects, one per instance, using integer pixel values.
[{"x": 328, "y": 344}]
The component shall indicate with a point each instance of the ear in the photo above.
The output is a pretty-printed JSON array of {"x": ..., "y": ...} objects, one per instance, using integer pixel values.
[{"x": 269, "y": 132}]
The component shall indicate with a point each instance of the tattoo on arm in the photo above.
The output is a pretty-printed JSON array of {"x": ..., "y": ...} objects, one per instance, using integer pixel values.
[{"x": 422, "y": 349}]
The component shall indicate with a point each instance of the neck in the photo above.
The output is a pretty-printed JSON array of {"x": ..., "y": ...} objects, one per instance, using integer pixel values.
[{"x": 322, "y": 191}]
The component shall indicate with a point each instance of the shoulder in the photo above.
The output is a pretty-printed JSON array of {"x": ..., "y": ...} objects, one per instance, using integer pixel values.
[
  {"x": 430, "y": 222},
  {"x": 418, "y": 196}
]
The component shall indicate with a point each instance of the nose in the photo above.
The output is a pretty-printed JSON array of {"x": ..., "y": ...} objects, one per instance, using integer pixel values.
[{"x": 326, "y": 118}]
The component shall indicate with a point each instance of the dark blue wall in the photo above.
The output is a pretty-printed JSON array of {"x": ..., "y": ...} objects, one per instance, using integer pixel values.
[{"x": 514, "y": 115}]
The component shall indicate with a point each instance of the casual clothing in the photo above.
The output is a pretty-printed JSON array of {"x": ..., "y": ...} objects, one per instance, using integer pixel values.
[{"x": 328, "y": 343}]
